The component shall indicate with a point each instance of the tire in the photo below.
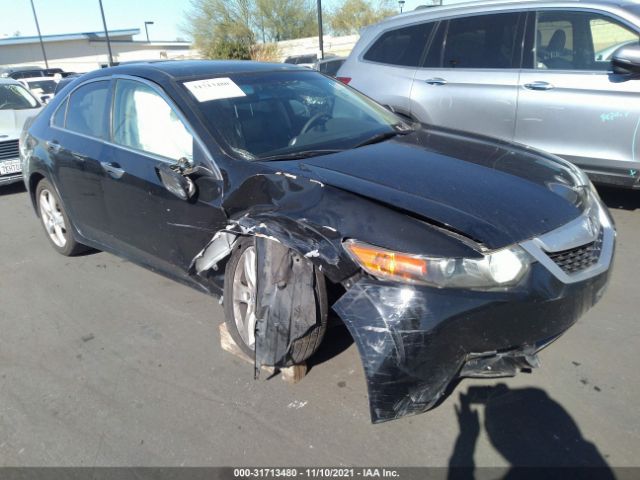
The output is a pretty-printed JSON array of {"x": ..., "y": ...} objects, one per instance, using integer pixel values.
[
  {"x": 302, "y": 348},
  {"x": 55, "y": 221}
]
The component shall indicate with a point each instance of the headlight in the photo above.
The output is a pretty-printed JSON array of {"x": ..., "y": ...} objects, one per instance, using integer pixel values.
[{"x": 500, "y": 268}]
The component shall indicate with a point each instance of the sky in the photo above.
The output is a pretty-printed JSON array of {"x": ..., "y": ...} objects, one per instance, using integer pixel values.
[{"x": 73, "y": 16}]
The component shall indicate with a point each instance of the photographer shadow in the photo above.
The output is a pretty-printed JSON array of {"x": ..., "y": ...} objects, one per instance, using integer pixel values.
[{"x": 527, "y": 427}]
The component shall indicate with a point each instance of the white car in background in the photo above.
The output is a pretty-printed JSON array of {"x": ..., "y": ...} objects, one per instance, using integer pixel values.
[
  {"x": 17, "y": 105},
  {"x": 43, "y": 88}
]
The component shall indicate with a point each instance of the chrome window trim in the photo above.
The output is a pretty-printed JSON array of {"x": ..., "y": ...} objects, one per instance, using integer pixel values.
[
  {"x": 122, "y": 147},
  {"x": 524, "y": 8},
  {"x": 571, "y": 235},
  {"x": 164, "y": 96}
]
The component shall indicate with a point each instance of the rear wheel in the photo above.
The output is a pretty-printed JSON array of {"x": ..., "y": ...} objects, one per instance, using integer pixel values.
[
  {"x": 55, "y": 220},
  {"x": 240, "y": 304}
]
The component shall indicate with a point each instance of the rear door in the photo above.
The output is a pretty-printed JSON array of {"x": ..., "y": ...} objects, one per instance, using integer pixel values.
[
  {"x": 149, "y": 223},
  {"x": 76, "y": 146},
  {"x": 570, "y": 103},
  {"x": 469, "y": 79}
]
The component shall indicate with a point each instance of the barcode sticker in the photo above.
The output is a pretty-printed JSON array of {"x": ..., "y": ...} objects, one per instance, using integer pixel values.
[{"x": 214, "y": 89}]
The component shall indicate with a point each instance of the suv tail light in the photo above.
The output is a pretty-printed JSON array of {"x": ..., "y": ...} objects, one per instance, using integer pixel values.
[{"x": 344, "y": 80}]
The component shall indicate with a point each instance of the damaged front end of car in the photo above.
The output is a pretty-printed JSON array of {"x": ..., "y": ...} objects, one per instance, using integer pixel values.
[{"x": 419, "y": 321}]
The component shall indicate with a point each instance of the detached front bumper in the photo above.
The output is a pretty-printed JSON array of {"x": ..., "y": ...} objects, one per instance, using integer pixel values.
[{"x": 415, "y": 340}]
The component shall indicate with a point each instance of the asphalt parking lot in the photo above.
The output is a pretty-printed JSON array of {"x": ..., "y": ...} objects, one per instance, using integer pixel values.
[{"x": 105, "y": 363}]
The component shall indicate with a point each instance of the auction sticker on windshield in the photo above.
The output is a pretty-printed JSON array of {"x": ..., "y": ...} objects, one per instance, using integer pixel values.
[
  {"x": 214, "y": 89},
  {"x": 12, "y": 166}
]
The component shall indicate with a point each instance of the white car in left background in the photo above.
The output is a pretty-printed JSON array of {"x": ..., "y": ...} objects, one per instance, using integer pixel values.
[
  {"x": 43, "y": 88},
  {"x": 17, "y": 105}
]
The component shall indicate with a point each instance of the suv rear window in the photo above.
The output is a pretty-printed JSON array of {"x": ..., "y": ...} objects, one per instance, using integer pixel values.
[
  {"x": 403, "y": 46},
  {"x": 483, "y": 41}
]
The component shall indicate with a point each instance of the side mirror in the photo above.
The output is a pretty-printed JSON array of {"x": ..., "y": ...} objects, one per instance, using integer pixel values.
[
  {"x": 175, "y": 182},
  {"x": 626, "y": 60}
]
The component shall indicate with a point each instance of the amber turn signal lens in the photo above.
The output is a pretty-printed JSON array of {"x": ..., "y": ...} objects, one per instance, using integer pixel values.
[{"x": 380, "y": 262}]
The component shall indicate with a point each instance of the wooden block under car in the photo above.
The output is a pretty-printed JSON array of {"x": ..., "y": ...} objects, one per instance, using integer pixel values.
[{"x": 292, "y": 374}]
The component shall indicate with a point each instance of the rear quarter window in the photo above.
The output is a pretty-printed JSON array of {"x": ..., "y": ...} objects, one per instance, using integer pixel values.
[
  {"x": 58, "y": 118},
  {"x": 402, "y": 46},
  {"x": 87, "y": 110}
]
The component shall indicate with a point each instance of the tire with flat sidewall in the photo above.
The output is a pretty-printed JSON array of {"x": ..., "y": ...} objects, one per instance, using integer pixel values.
[{"x": 302, "y": 348}]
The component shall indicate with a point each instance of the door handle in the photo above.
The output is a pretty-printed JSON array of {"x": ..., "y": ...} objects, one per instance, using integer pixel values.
[
  {"x": 113, "y": 169},
  {"x": 435, "y": 81},
  {"x": 538, "y": 86},
  {"x": 53, "y": 146}
]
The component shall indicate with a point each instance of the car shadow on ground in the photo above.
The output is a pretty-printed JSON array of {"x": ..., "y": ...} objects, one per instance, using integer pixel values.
[
  {"x": 620, "y": 198},
  {"x": 12, "y": 189},
  {"x": 526, "y": 426}
]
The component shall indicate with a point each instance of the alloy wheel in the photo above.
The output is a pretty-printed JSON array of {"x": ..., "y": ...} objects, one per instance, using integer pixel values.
[
  {"x": 52, "y": 218},
  {"x": 244, "y": 296}
]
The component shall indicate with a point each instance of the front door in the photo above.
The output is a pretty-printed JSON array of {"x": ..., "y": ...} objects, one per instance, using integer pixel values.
[
  {"x": 570, "y": 103},
  {"x": 149, "y": 223}
]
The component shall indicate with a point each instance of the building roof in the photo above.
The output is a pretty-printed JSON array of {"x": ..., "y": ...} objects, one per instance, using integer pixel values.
[
  {"x": 129, "y": 32},
  {"x": 114, "y": 35}
]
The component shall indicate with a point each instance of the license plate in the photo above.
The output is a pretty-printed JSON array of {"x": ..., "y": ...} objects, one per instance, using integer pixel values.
[{"x": 9, "y": 167}]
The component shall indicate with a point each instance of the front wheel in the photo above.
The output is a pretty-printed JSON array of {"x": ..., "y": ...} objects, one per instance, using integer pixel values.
[
  {"x": 55, "y": 220},
  {"x": 240, "y": 287}
]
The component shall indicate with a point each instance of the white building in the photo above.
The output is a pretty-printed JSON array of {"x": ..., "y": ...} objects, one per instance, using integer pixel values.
[{"x": 82, "y": 52}]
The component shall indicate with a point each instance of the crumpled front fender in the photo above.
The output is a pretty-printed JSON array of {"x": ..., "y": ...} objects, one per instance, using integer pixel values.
[
  {"x": 415, "y": 340},
  {"x": 407, "y": 364}
]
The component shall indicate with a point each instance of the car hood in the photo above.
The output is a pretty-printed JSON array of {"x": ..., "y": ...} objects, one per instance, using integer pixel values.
[
  {"x": 494, "y": 192},
  {"x": 12, "y": 121}
]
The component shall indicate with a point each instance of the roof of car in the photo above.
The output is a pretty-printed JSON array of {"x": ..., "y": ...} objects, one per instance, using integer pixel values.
[{"x": 195, "y": 68}]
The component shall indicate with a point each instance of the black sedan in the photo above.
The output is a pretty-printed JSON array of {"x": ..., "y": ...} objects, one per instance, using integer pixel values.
[{"x": 286, "y": 192}]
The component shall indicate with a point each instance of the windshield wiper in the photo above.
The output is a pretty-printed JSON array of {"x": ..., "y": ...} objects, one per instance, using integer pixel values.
[
  {"x": 301, "y": 154},
  {"x": 380, "y": 137}
]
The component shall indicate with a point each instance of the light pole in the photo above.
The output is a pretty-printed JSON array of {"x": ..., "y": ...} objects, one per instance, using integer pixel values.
[
  {"x": 35, "y": 17},
  {"x": 106, "y": 34},
  {"x": 320, "y": 29},
  {"x": 147, "y": 30},
  {"x": 401, "y": 4}
]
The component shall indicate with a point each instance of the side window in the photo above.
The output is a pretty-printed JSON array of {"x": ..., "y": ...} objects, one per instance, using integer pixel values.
[
  {"x": 403, "y": 46},
  {"x": 87, "y": 109},
  {"x": 434, "y": 55},
  {"x": 58, "y": 117},
  {"x": 143, "y": 120},
  {"x": 608, "y": 36},
  {"x": 578, "y": 40},
  {"x": 483, "y": 41}
]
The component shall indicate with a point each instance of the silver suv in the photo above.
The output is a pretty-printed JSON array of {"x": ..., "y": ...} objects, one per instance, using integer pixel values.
[{"x": 560, "y": 76}]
